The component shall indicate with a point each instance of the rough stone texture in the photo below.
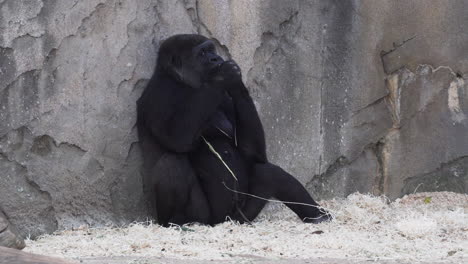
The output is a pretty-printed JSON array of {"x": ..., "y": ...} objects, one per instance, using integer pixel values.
[
  {"x": 71, "y": 72},
  {"x": 9, "y": 236},
  {"x": 366, "y": 96}
]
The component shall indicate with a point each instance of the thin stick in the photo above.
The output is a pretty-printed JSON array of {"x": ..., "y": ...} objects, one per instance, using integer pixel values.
[
  {"x": 270, "y": 200},
  {"x": 219, "y": 157},
  {"x": 248, "y": 194}
]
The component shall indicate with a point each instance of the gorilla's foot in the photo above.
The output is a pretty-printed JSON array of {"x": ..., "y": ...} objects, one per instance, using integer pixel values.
[{"x": 323, "y": 216}]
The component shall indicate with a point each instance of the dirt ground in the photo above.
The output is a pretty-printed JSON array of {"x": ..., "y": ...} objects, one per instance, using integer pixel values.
[
  {"x": 418, "y": 228},
  {"x": 245, "y": 260}
]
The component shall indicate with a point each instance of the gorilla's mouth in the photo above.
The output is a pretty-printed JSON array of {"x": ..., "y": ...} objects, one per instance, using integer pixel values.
[{"x": 215, "y": 68}]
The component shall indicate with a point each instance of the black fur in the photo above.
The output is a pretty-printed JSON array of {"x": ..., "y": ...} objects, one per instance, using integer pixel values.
[{"x": 193, "y": 101}]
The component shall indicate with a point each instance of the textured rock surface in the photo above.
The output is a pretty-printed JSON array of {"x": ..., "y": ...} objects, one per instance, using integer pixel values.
[
  {"x": 9, "y": 236},
  {"x": 356, "y": 95}
]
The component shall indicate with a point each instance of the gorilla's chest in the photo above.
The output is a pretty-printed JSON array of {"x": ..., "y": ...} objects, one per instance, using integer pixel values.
[
  {"x": 223, "y": 122},
  {"x": 217, "y": 159}
]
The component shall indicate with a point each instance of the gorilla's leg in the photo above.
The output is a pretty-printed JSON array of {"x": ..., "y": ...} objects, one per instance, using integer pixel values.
[
  {"x": 178, "y": 195},
  {"x": 197, "y": 209},
  {"x": 269, "y": 180},
  {"x": 181, "y": 207}
]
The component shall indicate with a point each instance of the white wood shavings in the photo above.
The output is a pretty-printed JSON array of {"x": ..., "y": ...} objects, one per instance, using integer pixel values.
[{"x": 419, "y": 227}]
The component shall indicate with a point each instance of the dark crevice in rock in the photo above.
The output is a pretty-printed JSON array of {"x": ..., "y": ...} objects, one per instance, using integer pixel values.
[
  {"x": 449, "y": 176},
  {"x": 5, "y": 157},
  {"x": 287, "y": 27},
  {"x": 371, "y": 104},
  {"x": 379, "y": 184},
  {"x": 42, "y": 145},
  {"x": 140, "y": 85},
  {"x": 391, "y": 60},
  {"x": 7, "y": 68},
  {"x": 130, "y": 157},
  {"x": 127, "y": 80},
  {"x": 87, "y": 18},
  {"x": 51, "y": 54},
  {"x": 323, "y": 182},
  {"x": 339, "y": 163},
  {"x": 28, "y": 35},
  {"x": 72, "y": 146},
  {"x": 397, "y": 45},
  {"x": 74, "y": 4},
  {"x": 3, "y": 224},
  {"x": 323, "y": 178},
  {"x": 9, "y": 234},
  {"x": 45, "y": 195}
]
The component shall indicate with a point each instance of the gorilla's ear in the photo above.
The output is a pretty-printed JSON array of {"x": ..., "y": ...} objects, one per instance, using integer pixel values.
[{"x": 176, "y": 61}]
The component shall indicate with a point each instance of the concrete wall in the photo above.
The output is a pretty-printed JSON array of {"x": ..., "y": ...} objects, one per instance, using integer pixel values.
[{"x": 365, "y": 96}]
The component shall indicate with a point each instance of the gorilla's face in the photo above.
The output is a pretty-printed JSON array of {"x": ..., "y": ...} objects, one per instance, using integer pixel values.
[
  {"x": 206, "y": 57},
  {"x": 189, "y": 58},
  {"x": 201, "y": 64}
]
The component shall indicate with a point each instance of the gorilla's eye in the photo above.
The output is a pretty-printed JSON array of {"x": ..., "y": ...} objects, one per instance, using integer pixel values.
[{"x": 203, "y": 52}]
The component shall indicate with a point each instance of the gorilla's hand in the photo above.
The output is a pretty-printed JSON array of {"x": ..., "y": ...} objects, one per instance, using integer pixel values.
[{"x": 228, "y": 75}]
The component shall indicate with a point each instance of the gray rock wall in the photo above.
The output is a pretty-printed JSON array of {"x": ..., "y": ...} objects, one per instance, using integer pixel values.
[
  {"x": 9, "y": 236},
  {"x": 365, "y": 96}
]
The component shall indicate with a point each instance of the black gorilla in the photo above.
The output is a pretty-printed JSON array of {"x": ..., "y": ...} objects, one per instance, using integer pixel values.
[{"x": 203, "y": 143}]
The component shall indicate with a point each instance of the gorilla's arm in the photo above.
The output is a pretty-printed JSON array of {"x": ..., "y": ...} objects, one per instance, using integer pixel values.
[
  {"x": 249, "y": 129},
  {"x": 176, "y": 114}
]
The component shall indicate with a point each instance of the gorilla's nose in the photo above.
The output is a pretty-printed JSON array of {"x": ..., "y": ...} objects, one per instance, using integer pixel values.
[{"x": 216, "y": 59}]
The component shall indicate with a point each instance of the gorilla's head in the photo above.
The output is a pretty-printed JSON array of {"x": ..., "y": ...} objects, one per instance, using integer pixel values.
[{"x": 189, "y": 58}]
